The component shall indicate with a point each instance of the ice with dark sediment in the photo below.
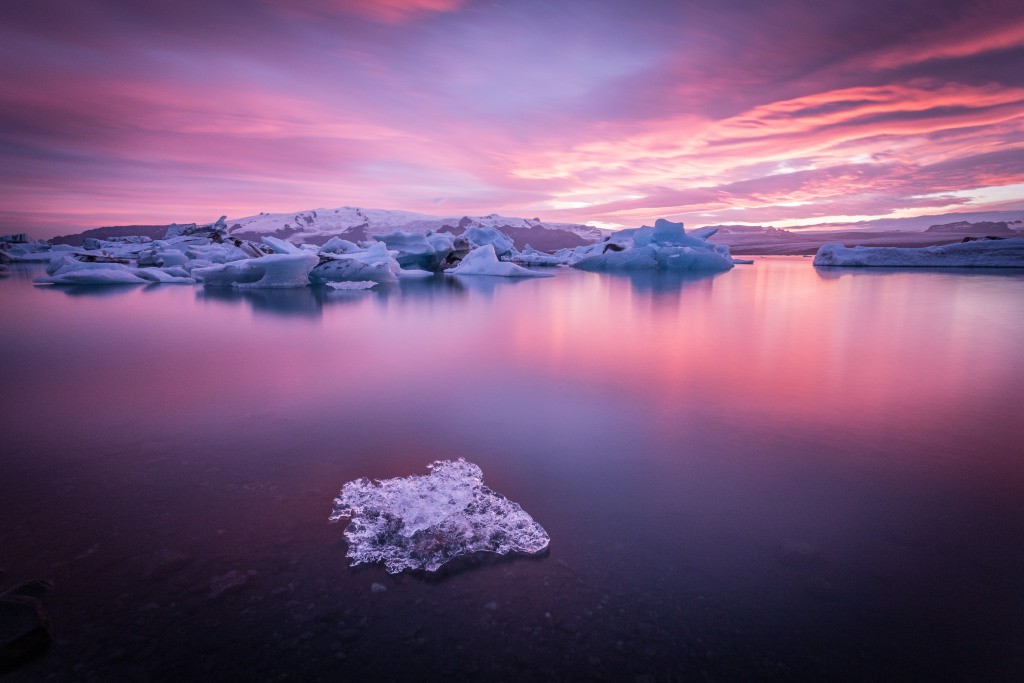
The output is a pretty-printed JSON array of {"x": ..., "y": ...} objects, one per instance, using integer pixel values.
[
  {"x": 665, "y": 246},
  {"x": 425, "y": 521}
]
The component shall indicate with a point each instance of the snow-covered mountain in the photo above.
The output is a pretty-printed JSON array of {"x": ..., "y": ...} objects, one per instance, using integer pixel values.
[{"x": 316, "y": 226}]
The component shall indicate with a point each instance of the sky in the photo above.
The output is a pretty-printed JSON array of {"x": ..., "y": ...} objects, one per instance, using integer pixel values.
[{"x": 787, "y": 113}]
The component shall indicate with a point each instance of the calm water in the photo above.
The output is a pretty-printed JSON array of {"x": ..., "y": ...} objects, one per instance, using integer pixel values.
[{"x": 773, "y": 473}]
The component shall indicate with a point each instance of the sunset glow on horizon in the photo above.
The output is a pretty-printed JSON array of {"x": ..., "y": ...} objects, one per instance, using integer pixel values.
[{"x": 787, "y": 113}]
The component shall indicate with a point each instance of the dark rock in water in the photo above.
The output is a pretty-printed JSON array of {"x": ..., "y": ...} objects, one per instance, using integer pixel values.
[{"x": 25, "y": 630}]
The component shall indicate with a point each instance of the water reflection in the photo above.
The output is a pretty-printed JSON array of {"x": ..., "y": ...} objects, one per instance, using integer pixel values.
[
  {"x": 307, "y": 302},
  {"x": 96, "y": 291},
  {"x": 836, "y": 272},
  {"x": 311, "y": 302},
  {"x": 770, "y": 460},
  {"x": 486, "y": 285},
  {"x": 662, "y": 282}
]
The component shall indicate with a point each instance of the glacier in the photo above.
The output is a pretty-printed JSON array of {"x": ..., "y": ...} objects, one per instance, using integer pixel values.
[
  {"x": 994, "y": 253},
  {"x": 422, "y": 522}
]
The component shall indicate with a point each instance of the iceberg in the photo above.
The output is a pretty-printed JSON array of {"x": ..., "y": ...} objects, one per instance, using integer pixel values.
[
  {"x": 377, "y": 263},
  {"x": 430, "y": 251},
  {"x": 66, "y": 270},
  {"x": 995, "y": 253},
  {"x": 666, "y": 246},
  {"x": 483, "y": 261},
  {"x": 425, "y": 521},
  {"x": 270, "y": 271},
  {"x": 480, "y": 236},
  {"x": 336, "y": 245},
  {"x": 532, "y": 257},
  {"x": 354, "y": 285}
]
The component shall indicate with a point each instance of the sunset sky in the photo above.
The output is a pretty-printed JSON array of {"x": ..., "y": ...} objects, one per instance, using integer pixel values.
[{"x": 786, "y": 112}]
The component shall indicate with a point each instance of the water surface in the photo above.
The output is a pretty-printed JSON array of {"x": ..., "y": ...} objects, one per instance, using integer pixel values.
[{"x": 776, "y": 472}]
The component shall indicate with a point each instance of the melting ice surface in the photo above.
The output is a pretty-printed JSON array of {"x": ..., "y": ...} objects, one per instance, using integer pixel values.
[{"x": 422, "y": 522}]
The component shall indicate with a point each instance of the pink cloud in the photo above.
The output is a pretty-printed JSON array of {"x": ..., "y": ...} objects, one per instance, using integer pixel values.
[
  {"x": 576, "y": 111},
  {"x": 384, "y": 11}
]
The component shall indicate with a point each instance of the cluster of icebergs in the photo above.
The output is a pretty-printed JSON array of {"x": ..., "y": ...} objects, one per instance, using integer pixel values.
[{"x": 210, "y": 256}]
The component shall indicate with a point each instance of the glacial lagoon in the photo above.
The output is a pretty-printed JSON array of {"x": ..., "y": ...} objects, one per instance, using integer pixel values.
[{"x": 778, "y": 472}]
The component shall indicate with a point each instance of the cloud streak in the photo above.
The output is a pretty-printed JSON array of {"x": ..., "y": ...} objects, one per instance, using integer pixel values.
[{"x": 771, "y": 112}]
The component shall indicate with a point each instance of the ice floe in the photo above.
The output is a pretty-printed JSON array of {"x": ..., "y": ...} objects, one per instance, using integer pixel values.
[
  {"x": 665, "y": 246},
  {"x": 356, "y": 285},
  {"x": 429, "y": 251},
  {"x": 279, "y": 270},
  {"x": 66, "y": 270},
  {"x": 425, "y": 521},
  {"x": 481, "y": 236},
  {"x": 483, "y": 261},
  {"x": 376, "y": 263},
  {"x": 990, "y": 253}
]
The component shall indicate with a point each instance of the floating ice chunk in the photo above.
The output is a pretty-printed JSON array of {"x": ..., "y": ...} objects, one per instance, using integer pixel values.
[
  {"x": 170, "y": 257},
  {"x": 1000, "y": 253},
  {"x": 167, "y": 276},
  {"x": 358, "y": 284},
  {"x": 483, "y": 261},
  {"x": 644, "y": 258},
  {"x": 274, "y": 271},
  {"x": 703, "y": 233},
  {"x": 220, "y": 253},
  {"x": 376, "y": 263},
  {"x": 413, "y": 273},
  {"x": 422, "y": 522},
  {"x": 64, "y": 270},
  {"x": 107, "y": 276},
  {"x": 666, "y": 246},
  {"x": 480, "y": 236},
  {"x": 280, "y": 246},
  {"x": 336, "y": 245},
  {"x": 418, "y": 250},
  {"x": 531, "y": 257}
]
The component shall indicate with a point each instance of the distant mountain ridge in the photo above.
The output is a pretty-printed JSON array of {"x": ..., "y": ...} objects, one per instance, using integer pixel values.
[
  {"x": 104, "y": 233},
  {"x": 316, "y": 226},
  {"x": 981, "y": 227}
]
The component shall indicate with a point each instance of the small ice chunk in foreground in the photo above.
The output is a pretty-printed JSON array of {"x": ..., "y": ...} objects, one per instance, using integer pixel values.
[{"x": 424, "y": 521}]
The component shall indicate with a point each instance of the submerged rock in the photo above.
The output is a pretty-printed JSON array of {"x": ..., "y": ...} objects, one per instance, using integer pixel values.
[{"x": 25, "y": 630}]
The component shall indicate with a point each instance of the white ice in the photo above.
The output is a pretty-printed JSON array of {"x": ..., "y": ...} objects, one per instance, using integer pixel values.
[
  {"x": 273, "y": 271},
  {"x": 66, "y": 270},
  {"x": 357, "y": 285},
  {"x": 499, "y": 241},
  {"x": 423, "y": 522},
  {"x": 531, "y": 257},
  {"x": 483, "y": 261},
  {"x": 375, "y": 263},
  {"x": 666, "y": 246},
  {"x": 1005, "y": 253}
]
